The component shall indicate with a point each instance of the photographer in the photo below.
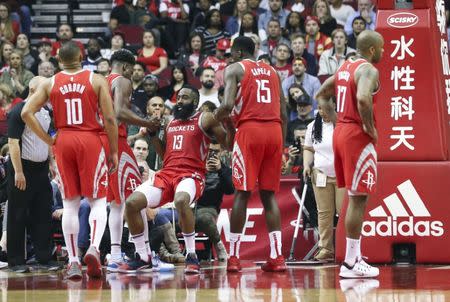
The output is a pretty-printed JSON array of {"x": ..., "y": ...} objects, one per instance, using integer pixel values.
[
  {"x": 294, "y": 159},
  {"x": 318, "y": 159},
  {"x": 218, "y": 182}
]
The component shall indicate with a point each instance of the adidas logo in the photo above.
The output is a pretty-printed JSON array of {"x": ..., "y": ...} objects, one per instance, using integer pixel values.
[{"x": 400, "y": 222}]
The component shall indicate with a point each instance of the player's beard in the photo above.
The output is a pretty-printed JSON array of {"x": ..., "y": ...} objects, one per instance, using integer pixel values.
[{"x": 183, "y": 112}]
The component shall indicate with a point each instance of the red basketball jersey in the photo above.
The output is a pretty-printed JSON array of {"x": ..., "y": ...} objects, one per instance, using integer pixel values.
[
  {"x": 258, "y": 97},
  {"x": 74, "y": 101},
  {"x": 187, "y": 145},
  {"x": 111, "y": 78},
  {"x": 346, "y": 89}
]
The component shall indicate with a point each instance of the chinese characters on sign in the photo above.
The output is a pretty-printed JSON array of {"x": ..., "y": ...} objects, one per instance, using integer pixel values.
[{"x": 402, "y": 103}]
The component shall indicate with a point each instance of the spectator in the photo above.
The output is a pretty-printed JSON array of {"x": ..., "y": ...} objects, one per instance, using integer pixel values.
[
  {"x": 9, "y": 29},
  {"x": 219, "y": 61},
  {"x": 200, "y": 13},
  {"x": 321, "y": 10},
  {"x": 318, "y": 159},
  {"x": 341, "y": 12},
  {"x": 303, "y": 109},
  {"x": 93, "y": 55},
  {"x": 282, "y": 58},
  {"x": 212, "y": 31},
  {"x": 258, "y": 51},
  {"x": 17, "y": 77},
  {"x": 176, "y": 16},
  {"x": 274, "y": 37},
  {"x": 155, "y": 58},
  {"x": 124, "y": 13},
  {"x": 310, "y": 83},
  {"x": 30, "y": 55},
  {"x": 6, "y": 49},
  {"x": 332, "y": 59},
  {"x": 117, "y": 42},
  {"x": 298, "y": 43},
  {"x": 207, "y": 91},
  {"x": 155, "y": 107},
  {"x": 65, "y": 34},
  {"x": 194, "y": 54},
  {"x": 144, "y": 16},
  {"x": 295, "y": 24},
  {"x": 46, "y": 69},
  {"x": 138, "y": 97},
  {"x": 103, "y": 67},
  {"x": 217, "y": 183},
  {"x": 254, "y": 7},
  {"x": 292, "y": 159},
  {"x": 276, "y": 12},
  {"x": 316, "y": 41},
  {"x": 365, "y": 10},
  {"x": 358, "y": 25},
  {"x": 6, "y": 97},
  {"x": 234, "y": 22},
  {"x": 249, "y": 26},
  {"x": 44, "y": 48},
  {"x": 140, "y": 149},
  {"x": 179, "y": 78}
]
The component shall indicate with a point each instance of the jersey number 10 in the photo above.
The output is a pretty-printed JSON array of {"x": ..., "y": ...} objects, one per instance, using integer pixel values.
[
  {"x": 263, "y": 92},
  {"x": 74, "y": 111}
]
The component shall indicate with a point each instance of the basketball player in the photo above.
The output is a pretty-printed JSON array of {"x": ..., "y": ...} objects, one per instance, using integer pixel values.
[
  {"x": 354, "y": 141},
  {"x": 127, "y": 178},
  {"x": 181, "y": 180},
  {"x": 254, "y": 90},
  {"x": 76, "y": 96}
]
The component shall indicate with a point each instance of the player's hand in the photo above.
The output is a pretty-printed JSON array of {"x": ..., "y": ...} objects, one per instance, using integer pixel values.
[
  {"x": 113, "y": 162},
  {"x": 372, "y": 133},
  {"x": 154, "y": 123},
  {"x": 306, "y": 173},
  {"x": 20, "y": 181},
  {"x": 57, "y": 214}
]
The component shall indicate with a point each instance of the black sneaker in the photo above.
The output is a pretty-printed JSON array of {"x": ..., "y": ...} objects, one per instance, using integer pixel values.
[
  {"x": 192, "y": 264},
  {"x": 20, "y": 269},
  {"x": 136, "y": 266}
]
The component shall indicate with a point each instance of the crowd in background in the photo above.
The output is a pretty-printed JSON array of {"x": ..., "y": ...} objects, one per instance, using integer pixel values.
[{"x": 182, "y": 42}]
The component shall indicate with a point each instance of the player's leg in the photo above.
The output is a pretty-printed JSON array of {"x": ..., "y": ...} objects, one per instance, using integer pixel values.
[
  {"x": 146, "y": 195},
  {"x": 70, "y": 228},
  {"x": 97, "y": 223},
  {"x": 115, "y": 223},
  {"x": 237, "y": 221},
  {"x": 185, "y": 194}
]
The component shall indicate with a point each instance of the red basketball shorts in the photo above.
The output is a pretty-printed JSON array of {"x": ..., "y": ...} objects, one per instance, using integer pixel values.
[
  {"x": 257, "y": 153},
  {"x": 127, "y": 178},
  {"x": 81, "y": 164},
  {"x": 168, "y": 180},
  {"x": 355, "y": 159}
]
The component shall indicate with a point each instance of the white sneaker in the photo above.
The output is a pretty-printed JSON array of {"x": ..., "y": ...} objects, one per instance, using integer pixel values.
[
  {"x": 359, "y": 270},
  {"x": 161, "y": 266},
  {"x": 359, "y": 289}
]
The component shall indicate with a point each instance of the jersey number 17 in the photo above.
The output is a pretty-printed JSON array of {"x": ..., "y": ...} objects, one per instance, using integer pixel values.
[{"x": 340, "y": 98}]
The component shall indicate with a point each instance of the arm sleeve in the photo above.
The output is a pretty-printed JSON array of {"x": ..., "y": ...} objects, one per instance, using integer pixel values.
[{"x": 16, "y": 125}]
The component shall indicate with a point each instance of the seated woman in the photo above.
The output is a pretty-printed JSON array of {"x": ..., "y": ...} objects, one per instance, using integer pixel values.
[
  {"x": 155, "y": 58},
  {"x": 17, "y": 77}
]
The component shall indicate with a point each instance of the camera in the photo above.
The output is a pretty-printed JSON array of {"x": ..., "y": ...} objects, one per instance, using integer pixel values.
[
  {"x": 298, "y": 144},
  {"x": 212, "y": 154}
]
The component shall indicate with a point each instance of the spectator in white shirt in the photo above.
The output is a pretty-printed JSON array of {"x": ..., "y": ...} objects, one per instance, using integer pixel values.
[
  {"x": 318, "y": 160},
  {"x": 332, "y": 59},
  {"x": 340, "y": 11}
]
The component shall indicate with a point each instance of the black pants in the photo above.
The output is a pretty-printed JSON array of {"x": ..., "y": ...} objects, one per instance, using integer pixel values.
[{"x": 31, "y": 210}]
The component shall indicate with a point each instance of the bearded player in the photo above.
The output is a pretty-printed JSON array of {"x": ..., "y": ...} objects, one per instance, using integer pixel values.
[
  {"x": 181, "y": 180},
  {"x": 354, "y": 140},
  {"x": 253, "y": 92}
]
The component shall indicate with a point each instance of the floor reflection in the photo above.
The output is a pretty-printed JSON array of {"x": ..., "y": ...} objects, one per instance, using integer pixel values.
[{"x": 301, "y": 283}]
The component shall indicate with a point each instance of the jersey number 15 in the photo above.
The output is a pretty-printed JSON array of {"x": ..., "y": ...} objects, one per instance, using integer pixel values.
[
  {"x": 263, "y": 92},
  {"x": 74, "y": 111}
]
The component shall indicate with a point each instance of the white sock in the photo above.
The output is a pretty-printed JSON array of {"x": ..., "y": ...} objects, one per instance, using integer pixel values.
[
  {"x": 189, "y": 241},
  {"x": 235, "y": 242},
  {"x": 141, "y": 249},
  {"x": 275, "y": 244},
  {"x": 353, "y": 250},
  {"x": 97, "y": 220},
  {"x": 115, "y": 222},
  {"x": 71, "y": 227},
  {"x": 145, "y": 221}
]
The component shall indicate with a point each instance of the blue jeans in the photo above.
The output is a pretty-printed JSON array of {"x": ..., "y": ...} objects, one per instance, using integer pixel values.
[
  {"x": 165, "y": 216},
  {"x": 83, "y": 216}
]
